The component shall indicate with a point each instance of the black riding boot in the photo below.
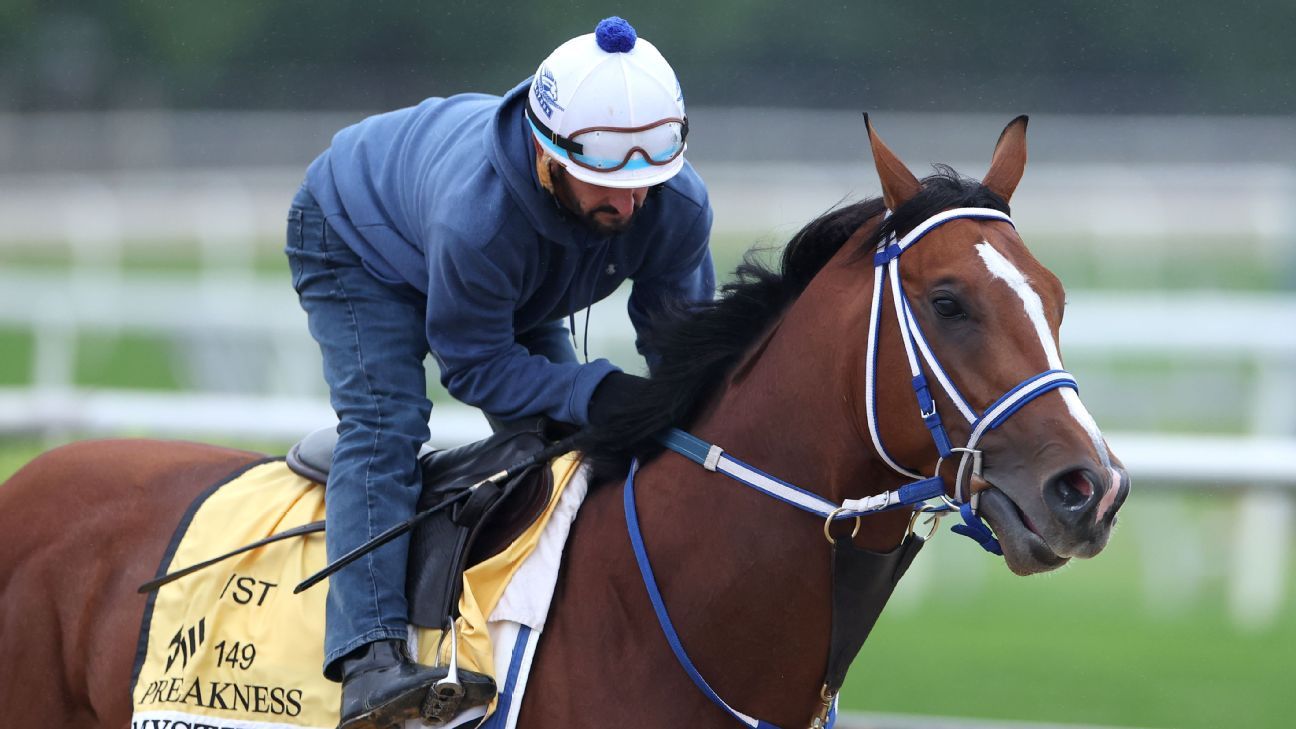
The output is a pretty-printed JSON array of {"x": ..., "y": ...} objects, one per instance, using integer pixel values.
[{"x": 382, "y": 687}]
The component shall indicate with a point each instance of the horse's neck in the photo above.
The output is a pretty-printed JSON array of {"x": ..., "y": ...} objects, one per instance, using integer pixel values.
[
  {"x": 745, "y": 576},
  {"x": 795, "y": 411}
]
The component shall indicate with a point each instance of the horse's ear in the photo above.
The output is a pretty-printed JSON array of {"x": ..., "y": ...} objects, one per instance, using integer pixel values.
[
  {"x": 898, "y": 184},
  {"x": 1009, "y": 160}
]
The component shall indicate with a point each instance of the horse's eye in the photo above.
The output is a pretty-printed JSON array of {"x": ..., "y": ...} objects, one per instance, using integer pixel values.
[{"x": 948, "y": 308}]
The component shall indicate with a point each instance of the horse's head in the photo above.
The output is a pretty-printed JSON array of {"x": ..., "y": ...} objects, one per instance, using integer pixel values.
[
  {"x": 984, "y": 325},
  {"x": 793, "y": 367}
]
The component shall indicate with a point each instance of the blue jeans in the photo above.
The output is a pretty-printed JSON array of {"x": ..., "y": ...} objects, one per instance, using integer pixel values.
[{"x": 371, "y": 335}]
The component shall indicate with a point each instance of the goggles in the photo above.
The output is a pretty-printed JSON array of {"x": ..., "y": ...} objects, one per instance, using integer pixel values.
[{"x": 608, "y": 149}]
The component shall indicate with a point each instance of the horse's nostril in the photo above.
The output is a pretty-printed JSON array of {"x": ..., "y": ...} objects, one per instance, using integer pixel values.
[{"x": 1074, "y": 489}]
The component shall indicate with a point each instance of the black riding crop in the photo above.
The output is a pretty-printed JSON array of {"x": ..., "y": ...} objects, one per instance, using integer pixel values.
[{"x": 315, "y": 526}]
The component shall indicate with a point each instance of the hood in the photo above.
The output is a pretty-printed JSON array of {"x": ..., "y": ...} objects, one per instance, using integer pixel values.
[{"x": 511, "y": 152}]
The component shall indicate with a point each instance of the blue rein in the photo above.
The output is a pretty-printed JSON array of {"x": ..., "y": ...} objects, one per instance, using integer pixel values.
[
  {"x": 713, "y": 458},
  {"x": 663, "y": 619}
]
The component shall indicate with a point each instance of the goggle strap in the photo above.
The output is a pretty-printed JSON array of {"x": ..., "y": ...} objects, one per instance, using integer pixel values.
[{"x": 557, "y": 139}]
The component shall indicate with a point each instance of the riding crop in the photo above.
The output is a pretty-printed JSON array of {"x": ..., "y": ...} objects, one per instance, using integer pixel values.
[{"x": 553, "y": 450}]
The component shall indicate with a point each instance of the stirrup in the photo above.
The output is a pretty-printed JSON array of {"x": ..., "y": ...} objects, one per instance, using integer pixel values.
[{"x": 442, "y": 702}]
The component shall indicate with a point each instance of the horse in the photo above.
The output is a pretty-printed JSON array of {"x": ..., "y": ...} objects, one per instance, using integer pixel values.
[{"x": 808, "y": 371}]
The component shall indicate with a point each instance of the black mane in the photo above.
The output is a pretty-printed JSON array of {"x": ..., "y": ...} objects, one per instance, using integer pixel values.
[{"x": 699, "y": 345}]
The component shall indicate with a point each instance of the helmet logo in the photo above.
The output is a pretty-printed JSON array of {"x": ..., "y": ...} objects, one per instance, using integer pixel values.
[{"x": 545, "y": 91}]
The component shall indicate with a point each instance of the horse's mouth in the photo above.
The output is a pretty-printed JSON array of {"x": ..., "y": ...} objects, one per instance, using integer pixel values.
[{"x": 1025, "y": 551}]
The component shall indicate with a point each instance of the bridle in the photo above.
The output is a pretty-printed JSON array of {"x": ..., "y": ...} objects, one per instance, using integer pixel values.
[
  {"x": 886, "y": 264},
  {"x": 864, "y": 602}
]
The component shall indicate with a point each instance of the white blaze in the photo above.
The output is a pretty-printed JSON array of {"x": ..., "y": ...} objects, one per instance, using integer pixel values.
[{"x": 1003, "y": 269}]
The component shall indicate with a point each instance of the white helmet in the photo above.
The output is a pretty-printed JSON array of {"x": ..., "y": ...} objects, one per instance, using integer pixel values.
[{"x": 607, "y": 106}]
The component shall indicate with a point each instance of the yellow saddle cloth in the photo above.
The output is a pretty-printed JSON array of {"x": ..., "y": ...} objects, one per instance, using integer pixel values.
[{"x": 231, "y": 647}]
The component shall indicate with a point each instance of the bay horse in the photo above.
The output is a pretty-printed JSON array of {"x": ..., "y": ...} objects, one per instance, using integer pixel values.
[{"x": 808, "y": 372}]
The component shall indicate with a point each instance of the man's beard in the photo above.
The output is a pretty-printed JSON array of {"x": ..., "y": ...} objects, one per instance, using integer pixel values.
[
  {"x": 562, "y": 191},
  {"x": 606, "y": 229}
]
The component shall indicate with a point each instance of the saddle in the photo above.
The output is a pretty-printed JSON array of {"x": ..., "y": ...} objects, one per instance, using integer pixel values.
[{"x": 443, "y": 546}]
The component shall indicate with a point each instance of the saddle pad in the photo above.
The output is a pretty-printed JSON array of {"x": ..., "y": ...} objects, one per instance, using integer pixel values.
[{"x": 231, "y": 647}]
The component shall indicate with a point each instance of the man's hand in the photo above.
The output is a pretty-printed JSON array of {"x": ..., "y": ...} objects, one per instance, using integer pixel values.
[{"x": 614, "y": 395}]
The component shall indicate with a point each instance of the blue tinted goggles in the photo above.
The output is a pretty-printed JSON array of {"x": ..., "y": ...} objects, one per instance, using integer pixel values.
[{"x": 608, "y": 149}]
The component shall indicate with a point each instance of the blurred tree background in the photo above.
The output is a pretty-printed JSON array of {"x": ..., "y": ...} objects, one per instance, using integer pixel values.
[{"x": 1072, "y": 56}]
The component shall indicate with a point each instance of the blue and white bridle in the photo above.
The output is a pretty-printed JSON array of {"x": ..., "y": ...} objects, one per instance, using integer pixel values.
[{"x": 886, "y": 263}]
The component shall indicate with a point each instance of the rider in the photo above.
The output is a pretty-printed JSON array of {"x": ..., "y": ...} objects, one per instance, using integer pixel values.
[{"x": 473, "y": 227}]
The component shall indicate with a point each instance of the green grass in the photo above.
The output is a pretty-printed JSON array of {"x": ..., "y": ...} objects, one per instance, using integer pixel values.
[
  {"x": 14, "y": 453},
  {"x": 103, "y": 360},
  {"x": 179, "y": 256},
  {"x": 1113, "y": 264},
  {"x": 1081, "y": 262},
  {"x": 125, "y": 361},
  {"x": 1140, "y": 264},
  {"x": 1094, "y": 643},
  {"x": 15, "y": 364}
]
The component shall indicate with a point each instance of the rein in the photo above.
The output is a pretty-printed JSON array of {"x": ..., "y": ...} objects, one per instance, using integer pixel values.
[{"x": 863, "y": 580}]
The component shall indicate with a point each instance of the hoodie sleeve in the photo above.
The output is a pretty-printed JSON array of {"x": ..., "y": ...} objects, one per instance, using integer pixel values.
[
  {"x": 688, "y": 276},
  {"x": 472, "y": 295},
  {"x": 552, "y": 340}
]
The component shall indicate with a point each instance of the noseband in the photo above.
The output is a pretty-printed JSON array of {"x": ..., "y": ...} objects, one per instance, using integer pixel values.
[{"x": 855, "y": 605}]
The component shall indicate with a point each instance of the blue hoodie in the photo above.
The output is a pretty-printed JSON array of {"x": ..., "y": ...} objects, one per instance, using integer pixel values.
[{"x": 443, "y": 197}]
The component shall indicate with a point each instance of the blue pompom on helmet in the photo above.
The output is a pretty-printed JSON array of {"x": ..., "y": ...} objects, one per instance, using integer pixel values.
[
  {"x": 615, "y": 35},
  {"x": 607, "y": 106}
]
